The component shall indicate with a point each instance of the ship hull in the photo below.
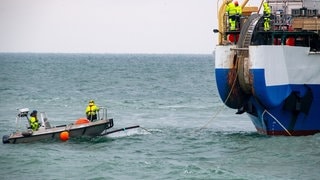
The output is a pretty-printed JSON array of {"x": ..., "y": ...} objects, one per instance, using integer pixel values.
[{"x": 284, "y": 93}]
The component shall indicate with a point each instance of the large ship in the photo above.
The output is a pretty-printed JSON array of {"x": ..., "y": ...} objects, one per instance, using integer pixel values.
[{"x": 272, "y": 75}]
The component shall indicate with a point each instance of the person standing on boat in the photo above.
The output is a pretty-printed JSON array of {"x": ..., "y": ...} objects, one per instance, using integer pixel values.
[
  {"x": 34, "y": 123},
  {"x": 238, "y": 14},
  {"x": 231, "y": 11},
  {"x": 266, "y": 16},
  {"x": 92, "y": 110}
]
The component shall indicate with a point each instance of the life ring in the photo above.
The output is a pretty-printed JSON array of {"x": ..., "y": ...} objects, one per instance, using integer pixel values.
[{"x": 82, "y": 121}]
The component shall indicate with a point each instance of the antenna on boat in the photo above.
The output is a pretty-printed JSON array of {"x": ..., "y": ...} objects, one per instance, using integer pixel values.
[{"x": 23, "y": 112}]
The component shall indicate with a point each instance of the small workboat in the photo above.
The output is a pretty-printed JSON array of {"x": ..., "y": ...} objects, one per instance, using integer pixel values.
[{"x": 81, "y": 127}]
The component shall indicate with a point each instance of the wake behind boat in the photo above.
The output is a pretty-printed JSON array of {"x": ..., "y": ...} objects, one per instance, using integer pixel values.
[{"x": 82, "y": 127}]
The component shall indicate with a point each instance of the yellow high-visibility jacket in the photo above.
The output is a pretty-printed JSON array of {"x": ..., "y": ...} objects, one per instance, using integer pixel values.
[
  {"x": 34, "y": 123},
  {"x": 238, "y": 10},
  {"x": 266, "y": 9},
  {"x": 231, "y": 9},
  {"x": 92, "y": 110}
]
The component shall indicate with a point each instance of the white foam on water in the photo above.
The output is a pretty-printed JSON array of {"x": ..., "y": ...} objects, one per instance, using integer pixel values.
[{"x": 129, "y": 132}]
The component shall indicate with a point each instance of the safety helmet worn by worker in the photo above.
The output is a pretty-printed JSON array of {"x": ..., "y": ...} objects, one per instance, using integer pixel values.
[
  {"x": 34, "y": 113},
  {"x": 91, "y": 103},
  {"x": 236, "y": 3}
]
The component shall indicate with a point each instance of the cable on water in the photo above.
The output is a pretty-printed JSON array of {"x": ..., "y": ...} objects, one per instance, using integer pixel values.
[{"x": 221, "y": 106}]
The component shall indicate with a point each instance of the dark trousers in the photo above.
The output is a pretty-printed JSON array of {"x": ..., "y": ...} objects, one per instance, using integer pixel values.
[{"x": 92, "y": 117}]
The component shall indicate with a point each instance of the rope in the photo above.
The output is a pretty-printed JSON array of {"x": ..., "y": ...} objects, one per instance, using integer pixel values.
[
  {"x": 265, "y": 111},
  {"x": 221, "y": 106},
  {"x": 232, "y": 87},
  {"x": 210, "y": 120}
]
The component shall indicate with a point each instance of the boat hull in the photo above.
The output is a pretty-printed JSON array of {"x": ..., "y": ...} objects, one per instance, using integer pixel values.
[
  {"x": 284, "y": 98},
  {"x": 90, "y": 129}
]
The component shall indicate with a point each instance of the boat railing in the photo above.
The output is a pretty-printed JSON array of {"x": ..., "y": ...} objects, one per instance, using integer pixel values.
[
  {"x": 103, "y": 113},
  {"x": 283, "y": 22},
  {"x": 285, "y": 30},
  {"x": 44, "y": 121}
]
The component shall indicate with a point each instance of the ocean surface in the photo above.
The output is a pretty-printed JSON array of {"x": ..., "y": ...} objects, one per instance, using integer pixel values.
[{"x": 186, "y": 131}]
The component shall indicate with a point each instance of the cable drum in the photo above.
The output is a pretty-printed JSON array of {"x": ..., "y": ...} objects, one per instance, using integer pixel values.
[{"x": 243, "y": 65}]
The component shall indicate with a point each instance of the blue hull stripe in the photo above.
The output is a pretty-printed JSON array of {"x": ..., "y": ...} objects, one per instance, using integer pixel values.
[{"x": 269, "y": 114}]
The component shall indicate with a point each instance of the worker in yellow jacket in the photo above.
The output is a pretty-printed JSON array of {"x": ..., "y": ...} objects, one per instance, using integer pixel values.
[
  {"x": 91, "y": 111},
  {"x": 33, "y": 120},
  {"x": 231, "y": 11},
  {"x": 266, "y": 16}
]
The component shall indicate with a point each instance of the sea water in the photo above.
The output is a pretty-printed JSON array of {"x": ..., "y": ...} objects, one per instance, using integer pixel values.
[{"x": 186, "y": 131}]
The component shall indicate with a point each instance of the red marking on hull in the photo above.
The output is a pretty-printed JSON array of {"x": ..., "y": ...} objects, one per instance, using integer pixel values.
[{"x": 285, "y": 133}]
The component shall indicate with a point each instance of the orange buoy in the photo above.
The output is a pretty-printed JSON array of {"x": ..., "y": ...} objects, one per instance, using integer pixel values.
[
  {"x": 82, "y": 121},
  {"x": 290, "y": 41},
  {"x": 64, "y": 136}
]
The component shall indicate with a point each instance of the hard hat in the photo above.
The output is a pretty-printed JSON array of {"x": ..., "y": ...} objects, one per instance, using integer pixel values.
[
  {"x": 33, "y": 113},
  {"x": 91, "y": 101}
]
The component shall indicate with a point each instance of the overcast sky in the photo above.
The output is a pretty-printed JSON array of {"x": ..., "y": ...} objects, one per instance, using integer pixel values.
[{"x": 108, "y": 26}]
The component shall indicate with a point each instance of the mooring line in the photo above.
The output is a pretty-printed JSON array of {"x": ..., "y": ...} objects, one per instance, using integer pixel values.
[
  {"x": 221, "y": 106},
  {"x": 210, "y": 120},
  {"x": 265, "y": 111}
]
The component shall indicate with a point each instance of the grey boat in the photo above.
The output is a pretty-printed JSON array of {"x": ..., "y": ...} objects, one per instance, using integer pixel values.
[{"x": 81, "y": 127}]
